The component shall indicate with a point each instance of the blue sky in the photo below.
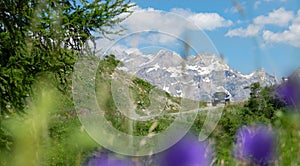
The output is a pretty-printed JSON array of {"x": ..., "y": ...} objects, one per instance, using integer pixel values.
[{"x": 249, "y": 34}]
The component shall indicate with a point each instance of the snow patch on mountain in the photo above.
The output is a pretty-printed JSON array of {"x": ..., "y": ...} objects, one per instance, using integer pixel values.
[{"x": 195, "y": 76}]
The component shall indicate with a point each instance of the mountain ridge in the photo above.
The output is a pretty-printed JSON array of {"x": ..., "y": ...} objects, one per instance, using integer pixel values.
[{"x": 201, "y": 74}]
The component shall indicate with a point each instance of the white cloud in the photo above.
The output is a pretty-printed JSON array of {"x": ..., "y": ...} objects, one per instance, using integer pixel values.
[
  {"x": 174, "y": 23},
  {"x": 289, "y": 36},
  {"x": 205, "y": 21},
  {"x": 209, "y": 21},
  {"x": 156, "y": 19},
  {"x": 256, "y": 4},
  {"x": 279, "y": 17},
  {"x": 251, "y": 30}
]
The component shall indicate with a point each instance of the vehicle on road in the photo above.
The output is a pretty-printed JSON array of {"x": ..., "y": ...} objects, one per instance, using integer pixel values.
[{"x": 220, "y": 97}]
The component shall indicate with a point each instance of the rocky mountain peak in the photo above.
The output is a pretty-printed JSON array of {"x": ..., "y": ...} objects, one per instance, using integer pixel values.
[{"x": 203, "y": 74}]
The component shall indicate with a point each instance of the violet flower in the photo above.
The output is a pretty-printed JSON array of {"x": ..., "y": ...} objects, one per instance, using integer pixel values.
[
  {"x": 289, "y": 92},
  {"x": 187, "y": 152},
  {"x": 108, "y": 159},
  {"x": 255, "y": 145}
]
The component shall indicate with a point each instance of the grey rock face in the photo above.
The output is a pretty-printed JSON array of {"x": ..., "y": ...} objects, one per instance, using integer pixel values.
[{"x": 195, "y": 77}]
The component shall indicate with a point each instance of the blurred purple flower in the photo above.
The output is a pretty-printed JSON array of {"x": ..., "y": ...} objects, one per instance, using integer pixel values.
[
  {"x": 108, "y": 159},
  {"x": 255, "y": 145},
  {"x": 289, "y": 92},
  {"x": 187, "y": 152}
]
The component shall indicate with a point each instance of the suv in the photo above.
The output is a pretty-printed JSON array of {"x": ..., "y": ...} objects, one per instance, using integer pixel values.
[{"x": 220, "y": 97}]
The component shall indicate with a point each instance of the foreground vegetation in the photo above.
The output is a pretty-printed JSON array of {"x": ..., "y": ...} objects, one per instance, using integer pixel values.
[
  {"x": 51, "y": 134},
  {"x": 39, "y": 43}
]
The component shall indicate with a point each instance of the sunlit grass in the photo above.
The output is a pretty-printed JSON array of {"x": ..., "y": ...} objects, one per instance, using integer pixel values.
[
  {"x": 46, "y": 134},
  {"x": 49, "y": 132}
]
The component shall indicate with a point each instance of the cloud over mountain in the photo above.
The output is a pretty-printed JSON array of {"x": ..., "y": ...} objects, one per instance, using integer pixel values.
[{"x": 278, "y": 18}]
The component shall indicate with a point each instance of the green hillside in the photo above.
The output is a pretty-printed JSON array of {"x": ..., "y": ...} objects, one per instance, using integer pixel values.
[
  {"x": 50, "y": 132},
  {"x": 140, "y": 95}
]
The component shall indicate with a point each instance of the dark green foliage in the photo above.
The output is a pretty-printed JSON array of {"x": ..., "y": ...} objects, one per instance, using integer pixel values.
[
  {"x": 254, "y": 100},
  {"x": 107, "y": 66},
  {"x": 145, "y": 85},
  {"x": 42, "y": 38},
  {"x": 263, "y": 101},
  {"x": 38, "y": 36},
  {"x": 6, "y": 144},
  {"x": 70, "y": 144},
  {"x": 142, "y": 89}
]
